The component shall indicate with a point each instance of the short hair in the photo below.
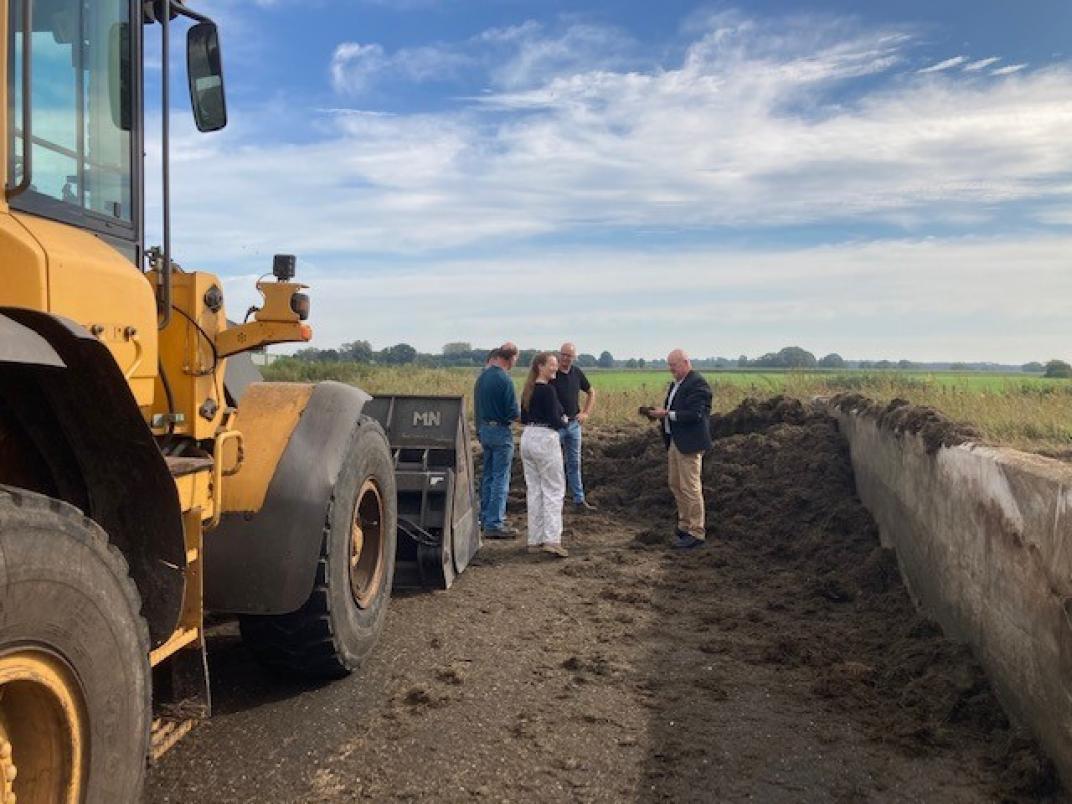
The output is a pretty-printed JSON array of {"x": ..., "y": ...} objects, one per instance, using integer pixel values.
[{"x": 507, "y": 352}]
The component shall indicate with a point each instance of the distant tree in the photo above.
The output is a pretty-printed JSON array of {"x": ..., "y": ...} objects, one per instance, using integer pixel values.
[
  {"x": 905, "y": 364},
  {"x": 866, "y": 364},
  {"x": 309, "y": 353},
  {"x": 1058, "y": 369},
  {"x": 832, "y": 361},
  {"x": 586, "y": 360},
  {"x": 958, "y": 366},
  {"x": 457, "y": 349},
  {"x": 631, "y": 363},
  {"x": 641, "y": 362},
  {"x": 1034, "y": 367},
  {"x": 742, "y": 361},
  {"x": 606, "y": 359},
  {"x": 884, "y": 365},
  {"x": 328, "y": 356},
  {"x": 398, "y": 355},
  {"x": 358, "y": 351},
  {"x": 795, "y": 357}
]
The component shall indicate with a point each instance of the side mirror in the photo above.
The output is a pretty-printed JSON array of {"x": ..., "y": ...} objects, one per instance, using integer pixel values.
[{"x": 205, "y": 70}]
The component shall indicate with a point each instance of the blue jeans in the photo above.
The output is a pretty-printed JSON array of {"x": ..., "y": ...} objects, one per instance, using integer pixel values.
[
  {"x": 497, "y": 441},
  {"x": 571, "y": 448}
]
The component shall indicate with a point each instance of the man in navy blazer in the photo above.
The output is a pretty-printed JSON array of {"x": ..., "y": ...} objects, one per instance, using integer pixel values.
[{"x": 686, "y": 430}]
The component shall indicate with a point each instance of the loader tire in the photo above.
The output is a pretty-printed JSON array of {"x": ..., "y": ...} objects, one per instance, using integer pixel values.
[
  {"x": 340, "y": 623},
  {"x": 75, "y": 687}
]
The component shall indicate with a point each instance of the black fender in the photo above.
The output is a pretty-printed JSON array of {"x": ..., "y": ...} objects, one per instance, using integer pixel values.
[
  {"x": 264, "y": 561},
  {"x": 20, "y": 344},
  {"x": 71, "y": 406}
]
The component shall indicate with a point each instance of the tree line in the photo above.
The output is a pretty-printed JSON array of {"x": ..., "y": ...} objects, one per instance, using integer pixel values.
[
  {"x": 456, "y": 354},
  {"x": 462, "y": 354}
]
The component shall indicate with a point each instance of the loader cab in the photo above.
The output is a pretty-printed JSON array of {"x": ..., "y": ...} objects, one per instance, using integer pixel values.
[
  {"x": 72, "y": 129},
  {"x": 75, "y": 141},
  {"x": 73, "y": 145}
]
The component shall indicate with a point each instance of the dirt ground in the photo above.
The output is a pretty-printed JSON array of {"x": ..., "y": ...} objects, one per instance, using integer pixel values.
[{"x": 782, "y": 662}]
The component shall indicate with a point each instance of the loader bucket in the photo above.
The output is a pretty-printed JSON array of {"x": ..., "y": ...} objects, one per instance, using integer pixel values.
[{"x": 437, "y": 523}]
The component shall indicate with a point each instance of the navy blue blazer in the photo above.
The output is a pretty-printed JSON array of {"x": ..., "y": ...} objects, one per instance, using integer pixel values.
[{"x": 691, "y": 432}]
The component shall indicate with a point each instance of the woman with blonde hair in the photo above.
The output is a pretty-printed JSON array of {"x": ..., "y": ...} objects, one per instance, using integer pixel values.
[{"x": 541, "y": 455}]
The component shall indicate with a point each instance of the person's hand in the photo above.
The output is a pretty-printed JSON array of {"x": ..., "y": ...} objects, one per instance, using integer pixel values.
[
  {"x": 658, "y": 413},
  {"x": 582, "y": 417}
]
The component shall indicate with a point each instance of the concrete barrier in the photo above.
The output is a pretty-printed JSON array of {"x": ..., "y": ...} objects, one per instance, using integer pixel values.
[{"x": 984, "y": 539}]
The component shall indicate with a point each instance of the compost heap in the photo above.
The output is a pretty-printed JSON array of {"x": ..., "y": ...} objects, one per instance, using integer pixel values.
[{"x": 784, "y": 520}]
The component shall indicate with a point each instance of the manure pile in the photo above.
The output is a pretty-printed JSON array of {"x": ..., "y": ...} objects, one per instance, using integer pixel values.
[{"x": 794, "y": 578}]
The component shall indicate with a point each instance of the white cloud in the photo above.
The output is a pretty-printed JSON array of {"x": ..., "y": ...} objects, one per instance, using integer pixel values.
[
  {"x": 923, "y": 299},
  {"x": 517, "y": 56},
  {"x": 756, "y": 126},
  {"x": 1008, "y": 69},
  {"x": 956, "y": 61},
  {"x": 740, "y": 134},
  {"x": 355, "y": 66},
  {"x": 981, "y": 64},
  {"x": 538, "y": 56}
]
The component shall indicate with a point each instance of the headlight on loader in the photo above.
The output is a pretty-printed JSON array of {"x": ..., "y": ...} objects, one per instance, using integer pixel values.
[{"x": 300, "y": 303}]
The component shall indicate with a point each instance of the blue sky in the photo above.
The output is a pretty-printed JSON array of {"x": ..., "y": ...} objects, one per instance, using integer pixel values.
[{"x": 882, "y": 182}]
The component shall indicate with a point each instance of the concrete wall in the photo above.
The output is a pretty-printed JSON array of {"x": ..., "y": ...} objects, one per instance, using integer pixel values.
[{"x": 984, "y": 539}]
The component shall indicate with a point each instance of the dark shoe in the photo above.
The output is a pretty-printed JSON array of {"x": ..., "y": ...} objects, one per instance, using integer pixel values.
[
  {"x": 584, "y": 505},
  {"x": 505, "y": 532},
  {"x": 686, "y": 541}
]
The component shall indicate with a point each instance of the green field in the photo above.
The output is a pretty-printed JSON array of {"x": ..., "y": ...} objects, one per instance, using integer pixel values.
[
  {"x": 1024, "y": 411},
  {"x": 774, "y": 381}
]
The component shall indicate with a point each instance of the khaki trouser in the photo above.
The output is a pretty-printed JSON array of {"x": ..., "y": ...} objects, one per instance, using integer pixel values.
[{"x": 687, "y": 487}]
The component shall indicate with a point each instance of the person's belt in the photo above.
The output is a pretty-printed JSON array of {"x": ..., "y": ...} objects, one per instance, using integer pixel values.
[
  {"x": 539, "y": 424},
  {"x": 494, "y": 423}
]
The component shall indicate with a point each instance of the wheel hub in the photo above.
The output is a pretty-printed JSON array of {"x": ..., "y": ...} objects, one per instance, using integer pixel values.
[
  {"x": 366, "y": 545},
  {"x": 42, "y": 728}
]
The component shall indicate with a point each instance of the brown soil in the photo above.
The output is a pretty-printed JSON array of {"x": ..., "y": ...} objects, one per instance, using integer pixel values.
[{"x": 781, "y": 662}]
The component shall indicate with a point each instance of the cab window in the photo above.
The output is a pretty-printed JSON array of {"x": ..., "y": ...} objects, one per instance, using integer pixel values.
[{"x": 81, "y": 108}]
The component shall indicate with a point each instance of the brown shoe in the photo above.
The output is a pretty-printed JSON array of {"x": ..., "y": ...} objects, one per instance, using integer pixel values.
[{"x": 556, "y": 550}]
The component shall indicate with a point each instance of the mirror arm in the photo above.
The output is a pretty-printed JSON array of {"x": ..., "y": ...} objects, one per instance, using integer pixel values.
[{"x": 189, "y": 13}]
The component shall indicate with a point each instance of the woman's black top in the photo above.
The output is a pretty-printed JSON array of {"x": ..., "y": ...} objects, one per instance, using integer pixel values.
[{"x": 544, "y": 408}]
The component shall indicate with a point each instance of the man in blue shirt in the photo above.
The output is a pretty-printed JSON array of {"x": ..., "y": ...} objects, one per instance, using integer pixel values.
[{"x": 495, "y": 406}]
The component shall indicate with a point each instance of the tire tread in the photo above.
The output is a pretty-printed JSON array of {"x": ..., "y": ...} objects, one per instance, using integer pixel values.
[{"x": 304, "y": 642}]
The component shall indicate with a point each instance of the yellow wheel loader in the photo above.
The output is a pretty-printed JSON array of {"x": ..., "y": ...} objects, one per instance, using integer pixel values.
[{"x": 144, "y": 479}]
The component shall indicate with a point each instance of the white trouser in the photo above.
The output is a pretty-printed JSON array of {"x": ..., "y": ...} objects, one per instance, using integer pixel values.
[{"x": 545, "y": 481}]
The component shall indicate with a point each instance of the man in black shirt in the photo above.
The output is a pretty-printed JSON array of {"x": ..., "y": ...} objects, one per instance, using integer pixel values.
[{"x": 569, "y": 382}]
